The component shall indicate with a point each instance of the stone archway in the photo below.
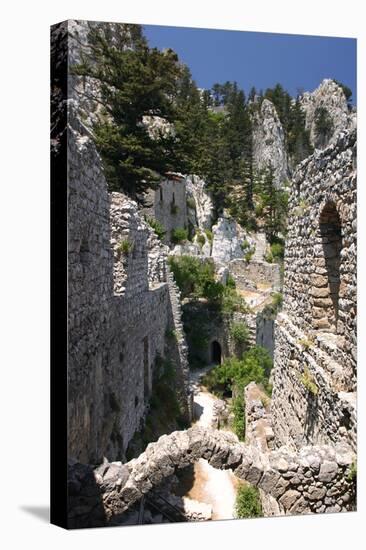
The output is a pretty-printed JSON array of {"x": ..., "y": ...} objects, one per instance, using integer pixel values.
[
  {"x": 215, "y": 353},
  {"x": 299, "y": 481},
  {"x": 330, "y": 232}
]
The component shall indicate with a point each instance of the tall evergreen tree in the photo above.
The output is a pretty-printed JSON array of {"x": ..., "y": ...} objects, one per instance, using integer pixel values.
[
  {"x": 135, "y": 81},
  {"x": 274, "y": 205}
]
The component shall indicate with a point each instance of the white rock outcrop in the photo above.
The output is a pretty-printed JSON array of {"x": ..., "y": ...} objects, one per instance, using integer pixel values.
[
  {"x": 330, "y": 96},
  {"x": 269, "y": 142},
  {"x": 197, "y": 190},
  {"x": 228, "y": 237}
]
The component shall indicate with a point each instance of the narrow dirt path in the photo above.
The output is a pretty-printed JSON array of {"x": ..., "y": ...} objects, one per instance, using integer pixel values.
[{"x": 212, "y": 486}]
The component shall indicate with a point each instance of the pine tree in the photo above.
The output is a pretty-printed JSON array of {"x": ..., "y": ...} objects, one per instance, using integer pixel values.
[
  {"x": 135, "y": 81},
  {"x": 323, "y": 126},
  {"x": 274, "y": 205}
]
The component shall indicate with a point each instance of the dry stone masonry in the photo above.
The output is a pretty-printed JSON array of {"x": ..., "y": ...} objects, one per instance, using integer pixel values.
[
  {"x": 314, "y": 480},
  {"x": 122, "y": 304},
  {"x": 314, "y": 397}
]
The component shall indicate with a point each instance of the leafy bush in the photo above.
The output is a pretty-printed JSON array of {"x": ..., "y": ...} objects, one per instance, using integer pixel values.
[
  {"x": 248, "y": 503},
  {"x": 277, "y": 300},
  {"x": 245, "y": 245},
  {"x": 248, "y": 256},
  {"x": 240, "y": 332},
  {"x": 323, "y": 124},
  {"x": 255, "y": 365},
  {"x": 209, "y": 235},
  {"x": 157, "y": 227},
  {"x": 308, "y": 381},
  {"x": 277, "y": 250},
  {"x": 306, "y": 343},
  {"x": 230, "y": 283},
  {"x": 179, "y": 235},
  {"x": 191, "y": 203},
  {"x": 268, "y": 257},
  {"x": 125, "y": 247},
  {"x": 238, "y": 408},
  {"x": 201, "y": 239},
  {"x": 196, "y": 279},
  {"x": 213, "y": 291},
  {"x": 191, "y": 274},
  {"x": 231, "y": 301}
]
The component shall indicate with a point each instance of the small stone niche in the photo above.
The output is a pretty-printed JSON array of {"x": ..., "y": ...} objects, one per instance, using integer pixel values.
[{"x": 325, "y": 289}]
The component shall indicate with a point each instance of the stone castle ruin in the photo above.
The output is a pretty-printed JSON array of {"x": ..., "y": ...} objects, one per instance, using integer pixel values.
[
  {"x": 124, "y": 307},
  {"x": 122, "y": 304},
  {"x": 314, "y": 397}
]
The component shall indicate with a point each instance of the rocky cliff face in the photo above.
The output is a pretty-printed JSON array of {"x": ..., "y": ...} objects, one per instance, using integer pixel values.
[
  {"x": 330, "y": 96},
  {"x": 202, "y": 215},
  {"x": 269, "y": 142},
  {"x": 228, "y": 237}
]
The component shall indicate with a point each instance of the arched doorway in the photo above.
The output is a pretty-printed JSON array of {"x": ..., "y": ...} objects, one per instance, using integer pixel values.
[
  {"x": 215, "y": 353},
  {"x": 331, "y": 238}
]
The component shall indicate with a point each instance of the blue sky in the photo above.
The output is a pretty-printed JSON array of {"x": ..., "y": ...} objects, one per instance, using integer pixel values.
[{"x": 259, "y": 59}]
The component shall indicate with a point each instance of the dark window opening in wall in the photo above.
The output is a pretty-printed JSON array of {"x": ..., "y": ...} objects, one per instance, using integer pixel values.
[
  {"x": 331, "y": 239},
  {"x": 215, "y": 353},
  {"x": 84, "y": 253},
  {"x": 173, "y": 199},
  {"x": 136, "y": 401},
  {"x": 161, "y": 195},
  {"x": 147, "y": 386}
]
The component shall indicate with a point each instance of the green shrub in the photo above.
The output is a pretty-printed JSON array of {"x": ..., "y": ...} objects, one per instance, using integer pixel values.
[
  {"x": 191, "y": 274},
  {"x": 191, "y": 203},
  {"x": 240, "y": 332},
  {"x": 277, "y": 251},
  {"x": 157, "y": 227},
  {"x": 209, "y": 235},
  {"x": 238, "y": 408},
  {"x": 245, "y": 245},
  {"x": 230, "y": 283},
  {"x": 231, "y": 301},
  {"x": 125, "y": 247},
  {"x": 201, "y": 239},
  {"x": 268, "y": 257},
  {"x": 248, "y": 504},
  {"x": 277, "y": 300},
  {"x": 179, "y": 235},
  {"x": 309, "y": 382},
  {"x": 255, "y": 365},
  {"x": 248, "y": 255},
  {"x": 213, "y": 291},
  {"x": 306, "y": 343}
]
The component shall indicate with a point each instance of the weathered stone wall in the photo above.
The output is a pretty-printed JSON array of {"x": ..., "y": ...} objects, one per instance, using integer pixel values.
[
  {"x": 122, "y": 305},
  {"x": 168, "y": 205},
  {"x": 315, "y": 480},
  {"x": 255, "y": 274},
  {"x": 314, "y": 395}
]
